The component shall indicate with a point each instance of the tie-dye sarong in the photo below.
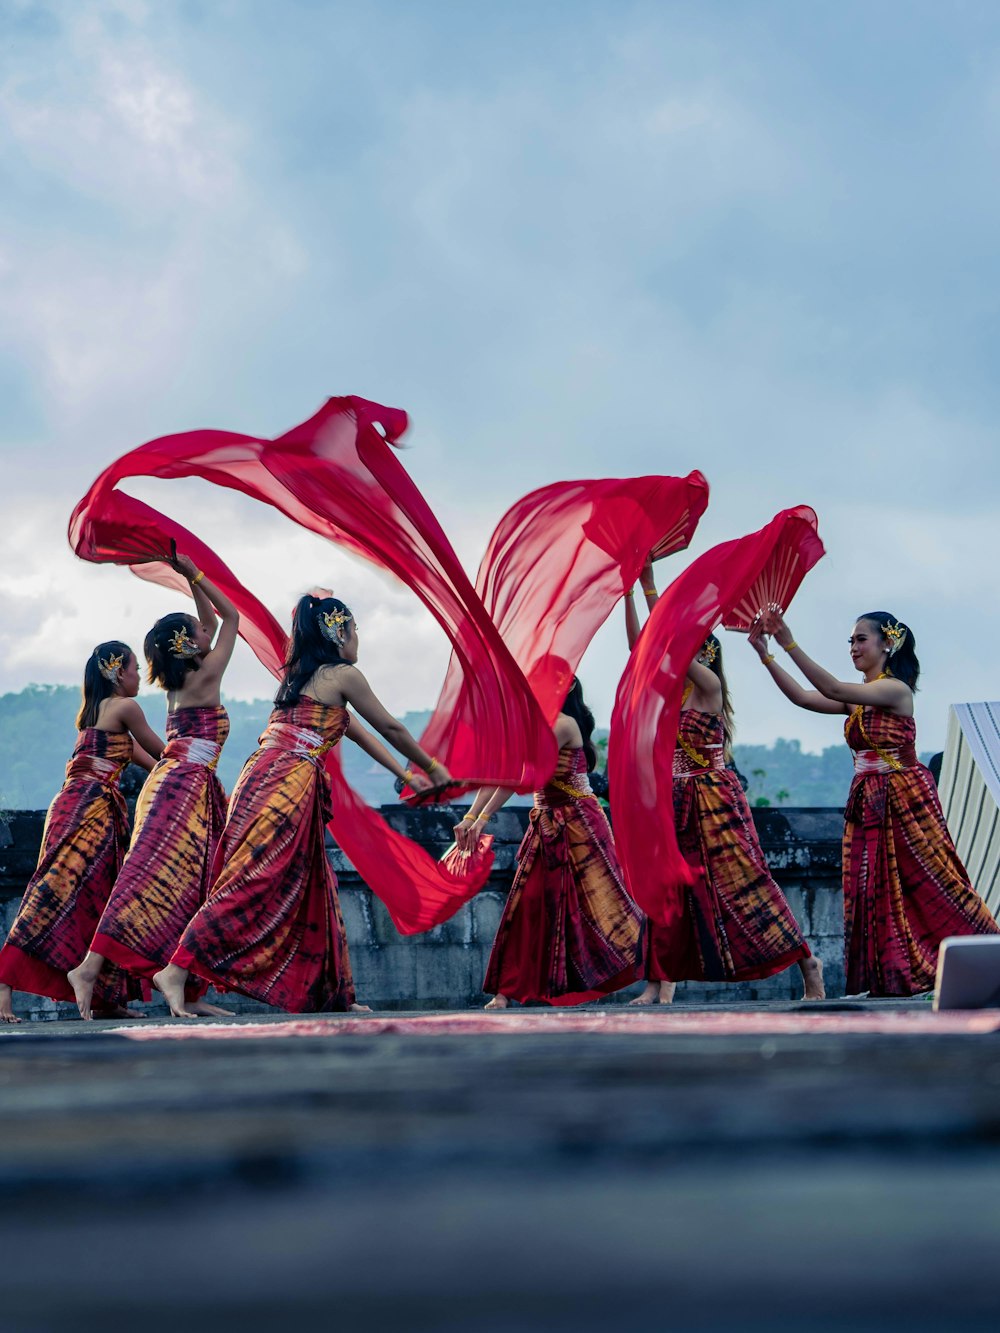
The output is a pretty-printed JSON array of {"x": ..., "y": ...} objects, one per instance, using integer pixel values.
[
  {"x": 735, "y": 924},
  {"x": 905, "y": 890},
  {"x": 178, "y": 823},
  {"x": 83, "y": 845},
  {"x": 569, "y": 932},
  {"x": 272, "y": 927}
]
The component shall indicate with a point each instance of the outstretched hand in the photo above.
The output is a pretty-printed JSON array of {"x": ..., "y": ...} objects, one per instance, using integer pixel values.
[
  {"x": 774, "y": 623},
  {"x": 757, "y": 638},
  {"x": 440, "y": 777},
  {"x": 186, "y": 566}
]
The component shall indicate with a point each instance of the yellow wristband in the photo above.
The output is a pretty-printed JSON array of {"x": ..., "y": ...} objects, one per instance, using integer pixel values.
[
  {"x": 629, "y": 592},
  {"x": 650, "y": 592},
  {"x": 768, "y": 659},
  {"x": 469, "y": 815},
  {"x": 792, "y": 645},
  {"x": 432, "y": 766},
  {"x": 198, "y": 577}
]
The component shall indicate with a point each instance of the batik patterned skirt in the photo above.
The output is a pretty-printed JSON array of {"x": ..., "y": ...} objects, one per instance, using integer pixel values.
[
  {"x": 569, "y": 931},
  {"x": 83, "y": 845},
  {"x": 178, "y": 823},
  {"x": 736, "y": 924},
  {"x": 905, "y": 889},
  {"x": 272, "y": 926}
]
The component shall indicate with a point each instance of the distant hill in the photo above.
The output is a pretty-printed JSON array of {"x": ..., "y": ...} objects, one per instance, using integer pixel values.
[{"x": 37, "y": 735}]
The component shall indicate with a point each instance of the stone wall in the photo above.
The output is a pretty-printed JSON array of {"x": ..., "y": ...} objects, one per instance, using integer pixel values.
[{"x": 444, "y": 968}]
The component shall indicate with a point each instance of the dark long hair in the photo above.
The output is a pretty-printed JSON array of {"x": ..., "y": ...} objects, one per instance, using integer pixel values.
[
  {"x": 903, "y": 664},
  {"x": 97, "y": 687},
  {"x": 165, "y": 669},
  {"x": 309, "y": 648},
  {"x": 715, "y": 666},
  {"x": 575, "y": 708}
]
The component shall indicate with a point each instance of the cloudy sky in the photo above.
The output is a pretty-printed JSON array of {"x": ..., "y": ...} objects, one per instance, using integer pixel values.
[{"x": 570, "y": 238}]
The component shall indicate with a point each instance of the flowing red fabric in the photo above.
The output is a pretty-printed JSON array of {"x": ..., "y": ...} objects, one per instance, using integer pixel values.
[
  {"x": 553, "y": 571},
  {"x": 647, "y": 707},
  {"x": 336, "y": 475}
]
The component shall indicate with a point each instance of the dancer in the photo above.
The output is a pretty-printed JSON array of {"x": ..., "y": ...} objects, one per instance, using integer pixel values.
[
  {"x": 83, "y": 843},
  {"x": 182, "y": 808},
  {"x": 569, "y": 931},
  {"x": 905, "y": 889},
  {"x": 272, "y": 926},
  {"x": 736, "y": 923}
]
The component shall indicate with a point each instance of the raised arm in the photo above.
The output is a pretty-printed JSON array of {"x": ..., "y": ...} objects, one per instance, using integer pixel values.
[
  {"x": 893, "y": 695},
  {"x": 811, "y": 700},
  {"x": 373, "y": 747},
  {"x": 207, "y": 600},
  {"x": 648, "y": 584},
  {"x": 349, "y": 682},
  {"x": 632, "y": 626}
]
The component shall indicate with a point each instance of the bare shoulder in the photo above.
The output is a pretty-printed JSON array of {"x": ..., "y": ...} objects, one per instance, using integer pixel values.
[
  {"x": 567, "y": 732},
  {"x": 120, "y": 714},
  {"x": 333, "y": 683}
]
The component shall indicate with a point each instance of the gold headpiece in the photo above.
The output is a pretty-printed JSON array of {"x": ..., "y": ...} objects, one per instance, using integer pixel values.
[
  {"x": 331, "y": 623},
  {"x": 709, "y": 652},
  {"x": 182, "y": 645},
  {"x": 896, "y": 634},
  {"x": 110, "y": 668}
]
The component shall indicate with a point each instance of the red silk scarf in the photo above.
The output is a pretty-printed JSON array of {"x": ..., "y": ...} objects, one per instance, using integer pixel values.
[
  {"x": 336, "y": 475},
  {"x": 647, "y": 707},
  {"x": 553, "y": 571}
]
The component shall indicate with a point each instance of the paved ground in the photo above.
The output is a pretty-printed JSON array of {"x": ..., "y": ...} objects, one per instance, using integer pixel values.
[{"x": 499, "y": 1183}]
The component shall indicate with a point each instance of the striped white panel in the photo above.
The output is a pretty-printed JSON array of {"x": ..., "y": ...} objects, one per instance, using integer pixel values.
[{"x": 970, "y": 793}]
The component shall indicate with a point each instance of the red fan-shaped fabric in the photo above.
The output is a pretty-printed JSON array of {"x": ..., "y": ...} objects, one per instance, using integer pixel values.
[
  {"x": 555, "y": 567},
  {"x": 790, "y": 561},
  {"x": 336, "y": 475},
  {"x": 647, "y": 707}
]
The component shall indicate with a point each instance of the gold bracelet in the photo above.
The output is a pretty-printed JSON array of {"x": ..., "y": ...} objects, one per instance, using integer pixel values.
[
  {"x": 768, "y": 659},
  {"x": 408, "y": 775},
  {"x": 469, "y": 815},
  {"x": 629, "y": 592},
  {"x": 792, "y": 645},
  {"x": 198, "y": 577},
  {"x": 650, "y": 592},
  {"x": 432, "y": 766}
]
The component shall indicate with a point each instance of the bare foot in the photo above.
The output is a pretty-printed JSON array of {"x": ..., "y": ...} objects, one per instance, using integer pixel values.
[
  {"x": 498, "y": 1002},
  {"x": 360, "y": 1008},
  {"x": 170, "y": 983},
  {"x": 205, "y": 1010},
  {"x": 83, "y": 979},
  {"x": 7, "y": 1014},
  {"x": 656, "y": 992},
  {"x": 812, "y": 974}
]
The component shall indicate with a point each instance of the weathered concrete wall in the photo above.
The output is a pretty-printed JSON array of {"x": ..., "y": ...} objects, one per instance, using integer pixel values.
[{"x": 444, "y": 968}]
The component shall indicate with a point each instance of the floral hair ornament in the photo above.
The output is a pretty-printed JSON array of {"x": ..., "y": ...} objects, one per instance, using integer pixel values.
[
  {"x": 896, "y": 634},
  {"x": 709, "y": 652},
  {"x": 331, "y": 625},
  {"x": 111, "y": 667},
  {"x": 182, "y": 645}
]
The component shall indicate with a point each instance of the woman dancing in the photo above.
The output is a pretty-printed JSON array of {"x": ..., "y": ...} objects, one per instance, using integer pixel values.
[
  {"x": 569, "y": 931},
  {"x": 182, "y": 808},
  {"x": 736, "y": 924},
  {"x": 272, "y": 927},
  {"x": 905, "y": 889},
  {"x": 83, "y": 843}
]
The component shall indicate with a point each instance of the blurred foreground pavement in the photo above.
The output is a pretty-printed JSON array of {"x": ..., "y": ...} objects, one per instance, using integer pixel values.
[{"x": 503, "y": 1183}]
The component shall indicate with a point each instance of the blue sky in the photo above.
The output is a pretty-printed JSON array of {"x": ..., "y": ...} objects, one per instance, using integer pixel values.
[{"x": 571, "y": 239}]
